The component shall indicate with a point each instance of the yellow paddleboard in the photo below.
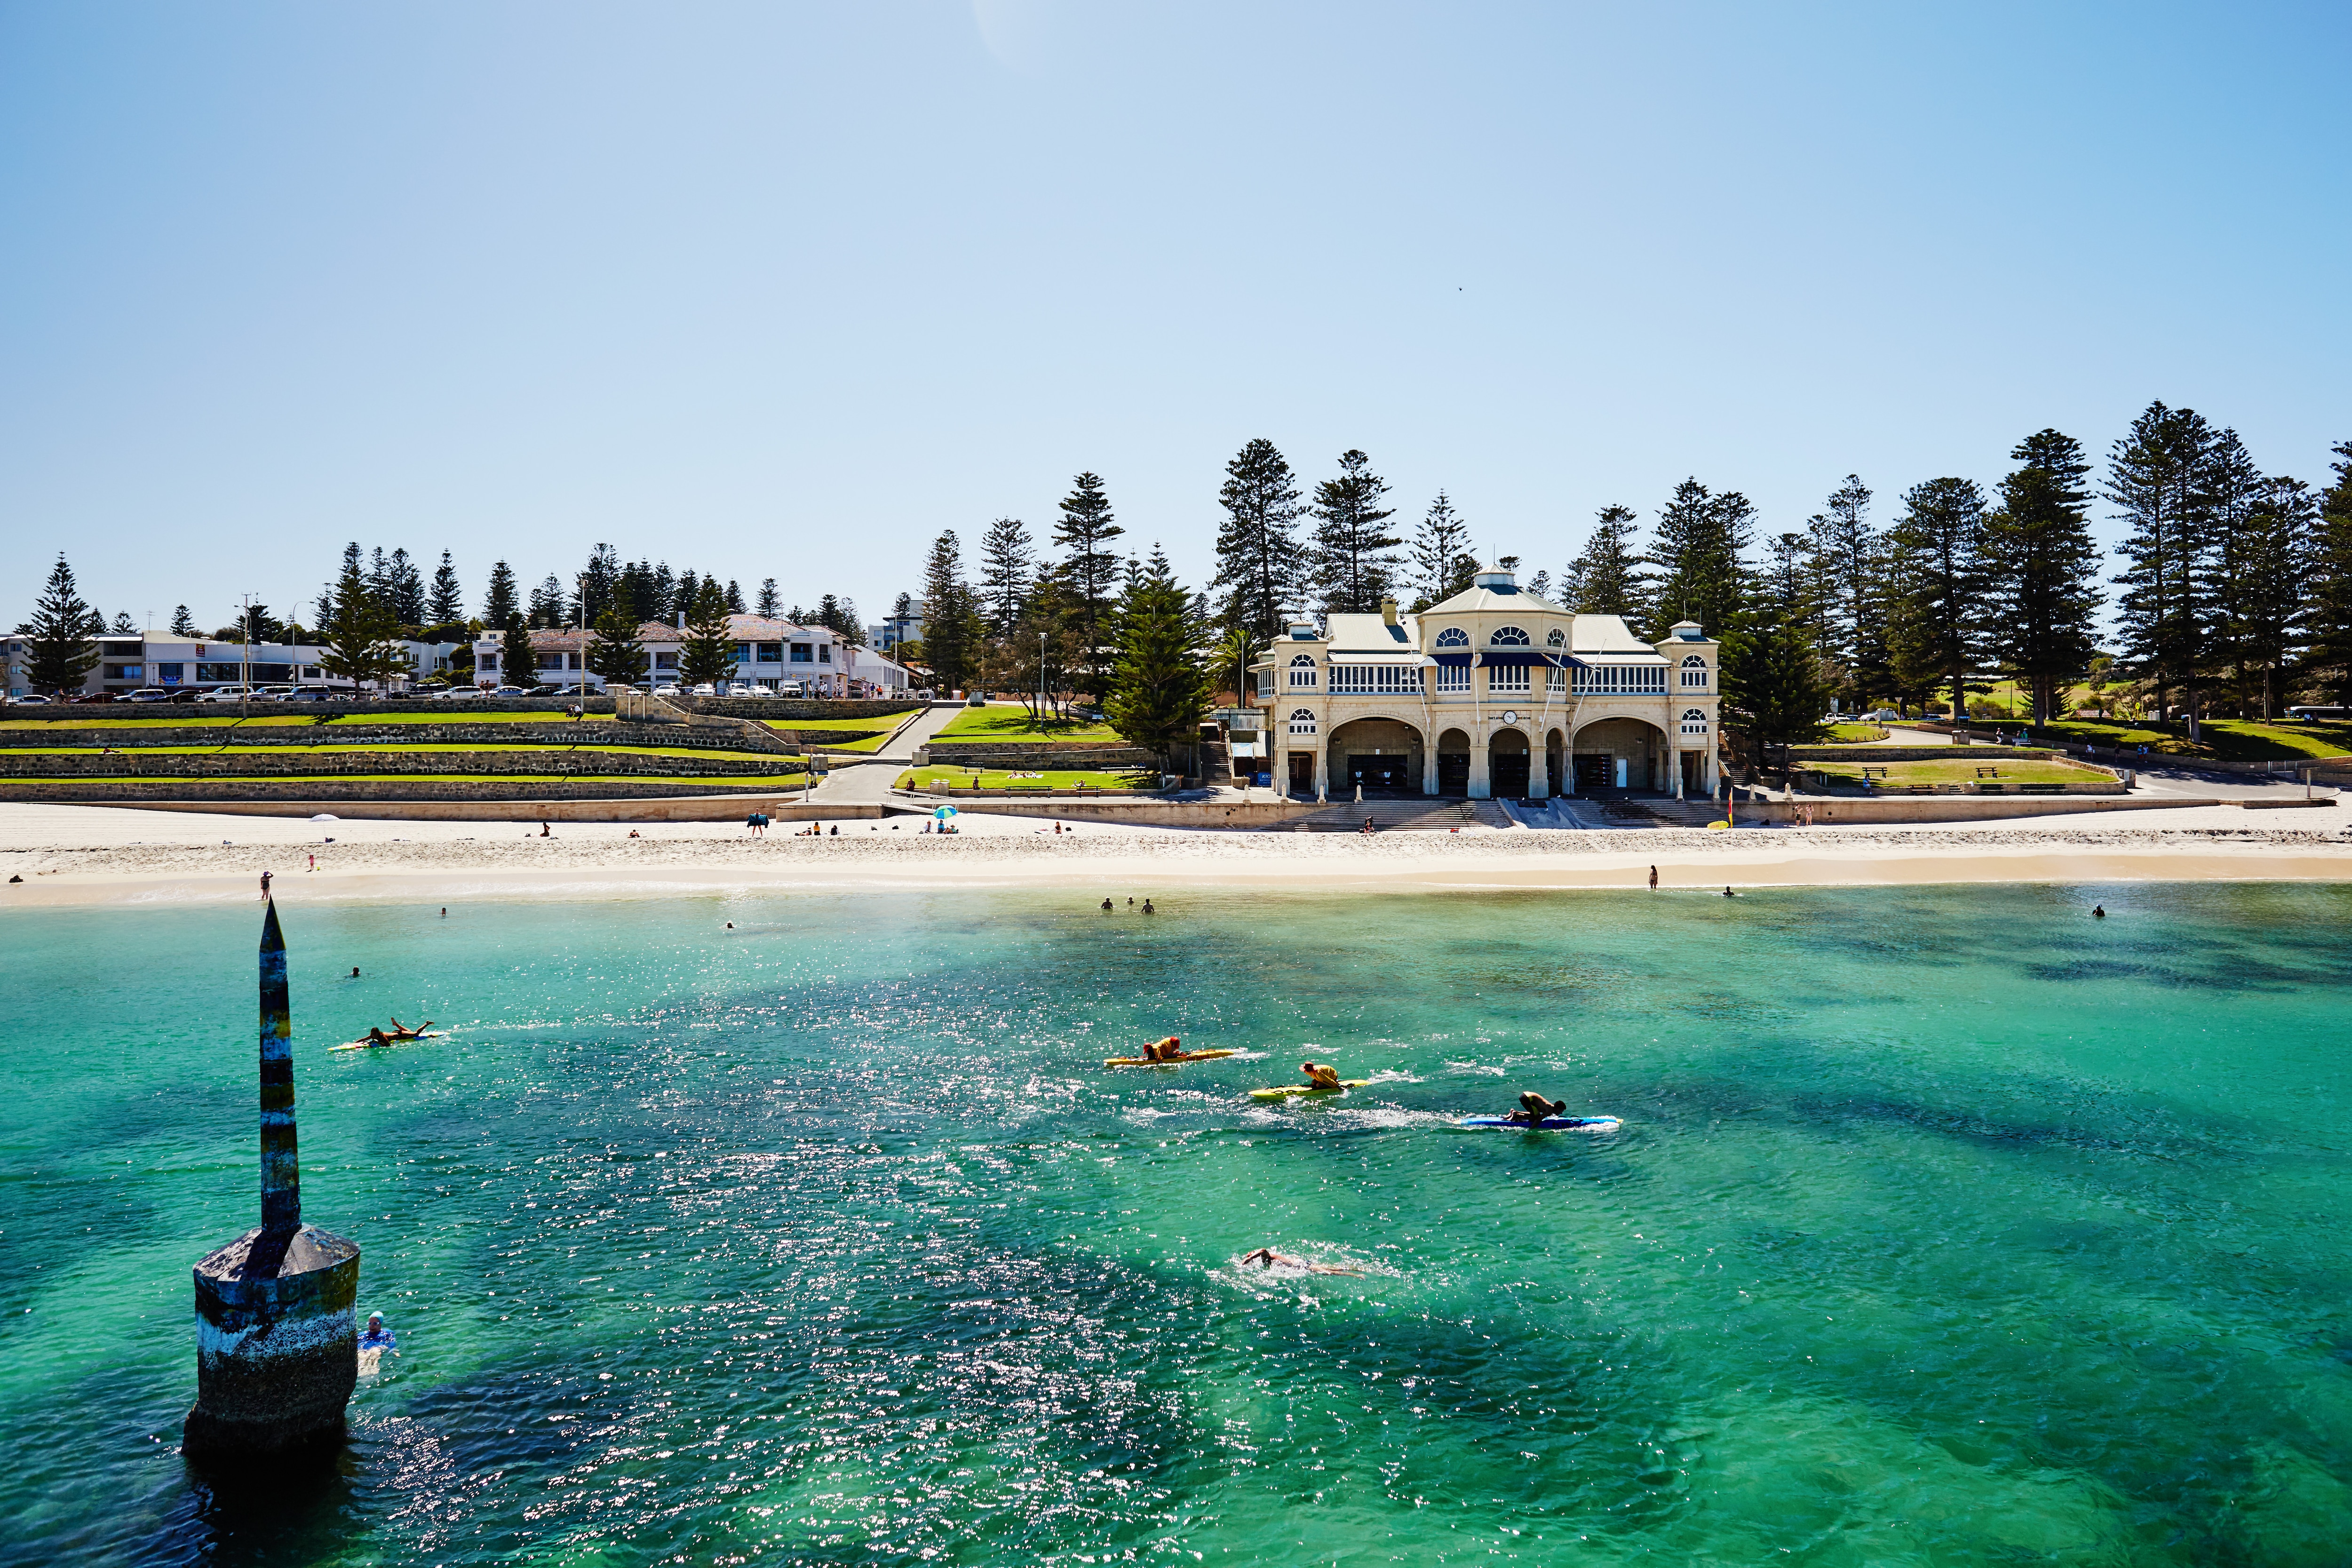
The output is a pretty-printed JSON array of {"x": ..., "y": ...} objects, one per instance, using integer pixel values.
[
  {"x": 1171, "y": 1061},
  {"x": 1293, "y": 1091}
]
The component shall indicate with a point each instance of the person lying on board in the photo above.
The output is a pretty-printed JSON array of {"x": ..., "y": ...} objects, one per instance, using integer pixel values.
[
  {"x": 1268, "y": 1257},
  {"x": 1535, "y": 1110},
  {"x": 401, "y": 1031},
  {"x": 1166, "y": 1050},
  {"x": 1320, "y": 1074},
  {"x": 376, "y": 1036}
]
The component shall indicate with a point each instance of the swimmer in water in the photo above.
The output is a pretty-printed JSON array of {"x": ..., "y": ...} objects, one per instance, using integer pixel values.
[{"x": 1268, "y": 1257}]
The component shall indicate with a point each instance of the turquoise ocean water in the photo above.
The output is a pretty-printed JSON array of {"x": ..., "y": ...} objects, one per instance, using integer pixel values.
[{"x": 1947, "y": 1226}]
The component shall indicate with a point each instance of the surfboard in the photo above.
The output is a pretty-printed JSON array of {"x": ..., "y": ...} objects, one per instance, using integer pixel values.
[
  {"x": 1548, "y": 1125},
  {"x": 1295, "y": 1091},
  {"x": 371, "y": 1045},
  {"x": 1170, "y": 1062}
]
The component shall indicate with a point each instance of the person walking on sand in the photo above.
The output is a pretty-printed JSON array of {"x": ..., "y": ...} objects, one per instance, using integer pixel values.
[{"x": 264, "y": 887}]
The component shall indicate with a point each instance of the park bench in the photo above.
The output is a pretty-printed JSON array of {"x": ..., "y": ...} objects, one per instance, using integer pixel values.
[{"x": 1987, "y": 772}]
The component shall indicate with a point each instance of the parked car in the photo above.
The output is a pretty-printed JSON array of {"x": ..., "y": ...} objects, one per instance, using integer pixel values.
[
  {"x": 703, "y": 690},
  {"x": 34, "y": 701},
  {"x": 791, "y": 689},
  {"x": 511, "y": 691},
  {"x": 95, "y": 696},
  {"x": 186, "y": 694},
  {"x": 149, "y": 694},
  {"x": 227, "y": 694},
  {"x": 667, "y": 690},
  {"x": 312, "y": 694},
  {"x": 461, "y": 694},
  {"x": 272, "y": 693},
  {"x": 760, "y": 691}
]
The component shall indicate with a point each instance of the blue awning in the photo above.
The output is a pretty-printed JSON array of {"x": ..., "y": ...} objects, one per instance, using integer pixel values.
[{"x": 1509, "y": 657}]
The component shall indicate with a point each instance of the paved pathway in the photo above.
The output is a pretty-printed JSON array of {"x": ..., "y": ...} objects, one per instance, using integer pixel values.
[{"x": 868, "y": 783}]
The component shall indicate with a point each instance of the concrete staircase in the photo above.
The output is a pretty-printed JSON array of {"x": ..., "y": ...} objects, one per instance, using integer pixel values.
[{"x": 1421, "y": 815}]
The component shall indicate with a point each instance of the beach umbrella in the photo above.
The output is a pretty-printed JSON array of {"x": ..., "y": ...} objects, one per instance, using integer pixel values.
[{"x": 944, "y": 812}]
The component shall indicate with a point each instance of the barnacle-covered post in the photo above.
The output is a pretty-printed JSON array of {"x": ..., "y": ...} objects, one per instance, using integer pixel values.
[{"x": 277, "y": 1346}]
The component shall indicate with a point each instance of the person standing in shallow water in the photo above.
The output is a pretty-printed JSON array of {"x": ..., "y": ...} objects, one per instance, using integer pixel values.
[{"x": 1654, "y": 878}]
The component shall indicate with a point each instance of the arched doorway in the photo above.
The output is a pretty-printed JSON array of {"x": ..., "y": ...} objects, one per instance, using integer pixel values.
[
  {"x": 1383, "y": 755},
  {"x": 1622, "y": 754},
  {"x": 1454, "y": 762},
  {"x": 1555, "y": 756},
  {"x": 1506, "y": 764}
]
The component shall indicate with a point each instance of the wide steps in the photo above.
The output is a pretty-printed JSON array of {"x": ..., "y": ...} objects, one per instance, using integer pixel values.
[{"x": 1398, "y": 817}]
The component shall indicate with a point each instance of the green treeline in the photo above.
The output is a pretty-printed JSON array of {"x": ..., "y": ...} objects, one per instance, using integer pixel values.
[{"x": 2231, "y": 589}]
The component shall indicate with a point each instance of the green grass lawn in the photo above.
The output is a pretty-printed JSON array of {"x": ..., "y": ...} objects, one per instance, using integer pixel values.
[
  {"x": 2230, "y": 740},
  {"x": 394, "y": 748},
  {"x": 1012, "y": 724},
  {"x": 466, "y": 713},
  {"x": 964, "y": 778},
  {"x": 852, "y": 743},
  {"x": 1855, "y": 734},
  {"x": 1964, "y": 771}
]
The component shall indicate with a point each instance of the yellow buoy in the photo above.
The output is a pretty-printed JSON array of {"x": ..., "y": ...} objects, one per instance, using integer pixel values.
[{"x": 1718, "y": 827}]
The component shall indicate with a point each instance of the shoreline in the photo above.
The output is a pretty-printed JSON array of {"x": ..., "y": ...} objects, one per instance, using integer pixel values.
[{"x": 408, "y": 862}]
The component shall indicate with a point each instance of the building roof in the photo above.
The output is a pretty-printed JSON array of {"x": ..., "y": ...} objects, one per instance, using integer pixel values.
[
  {"x": 1606, "y": 634},
  {"x": 1500, "y": 596},
  {"x": 1370, "y": 633}
]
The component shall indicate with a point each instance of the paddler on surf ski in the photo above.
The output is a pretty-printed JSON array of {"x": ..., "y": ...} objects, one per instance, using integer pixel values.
[
  {"x": 1166, "y": 1050},
  {"x": 1534, "y": 1109},
  {"x": 1321, "y": 1075}
]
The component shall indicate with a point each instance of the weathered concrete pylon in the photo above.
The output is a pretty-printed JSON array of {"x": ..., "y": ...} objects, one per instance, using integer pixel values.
[{"x": 276, "y": 1347}]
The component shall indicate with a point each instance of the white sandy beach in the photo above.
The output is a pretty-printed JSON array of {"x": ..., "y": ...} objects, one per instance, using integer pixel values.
[{"x": 80, "y": 855}]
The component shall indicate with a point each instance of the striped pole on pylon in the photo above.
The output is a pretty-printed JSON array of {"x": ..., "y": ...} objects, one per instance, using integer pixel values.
[{"x": 281, "y": 1174}]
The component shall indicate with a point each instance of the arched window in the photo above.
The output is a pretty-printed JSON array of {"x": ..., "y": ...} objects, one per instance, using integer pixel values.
[
  {"x": 1555, "y": 638},
  {"x": 1694, "y": 722},
  {"x": 1509, "y": 637},
  {"x": 1302, "y": 721},
  {"x": 1302, "y": 673},
  {"x": 1695, "y": 672},
  {"x": 1454, "y": 637}
]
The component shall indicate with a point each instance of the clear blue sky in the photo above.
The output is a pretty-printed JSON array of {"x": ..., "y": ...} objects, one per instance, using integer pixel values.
[{"x": 768, "y": 289}]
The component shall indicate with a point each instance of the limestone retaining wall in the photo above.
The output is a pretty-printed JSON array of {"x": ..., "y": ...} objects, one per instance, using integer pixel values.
[
  {"x": 288, "y": 761},
  {"x": 714, "y": 737},
  {"x": 138, "y": 792},
  {"x": 678, "y": 808}
]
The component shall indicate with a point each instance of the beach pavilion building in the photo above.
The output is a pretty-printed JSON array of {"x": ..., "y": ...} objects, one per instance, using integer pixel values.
[{"x": 1493, "y": 692}]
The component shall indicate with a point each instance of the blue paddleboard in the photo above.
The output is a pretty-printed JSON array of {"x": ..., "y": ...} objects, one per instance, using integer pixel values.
[{"x": 1548, "y": 1125}]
